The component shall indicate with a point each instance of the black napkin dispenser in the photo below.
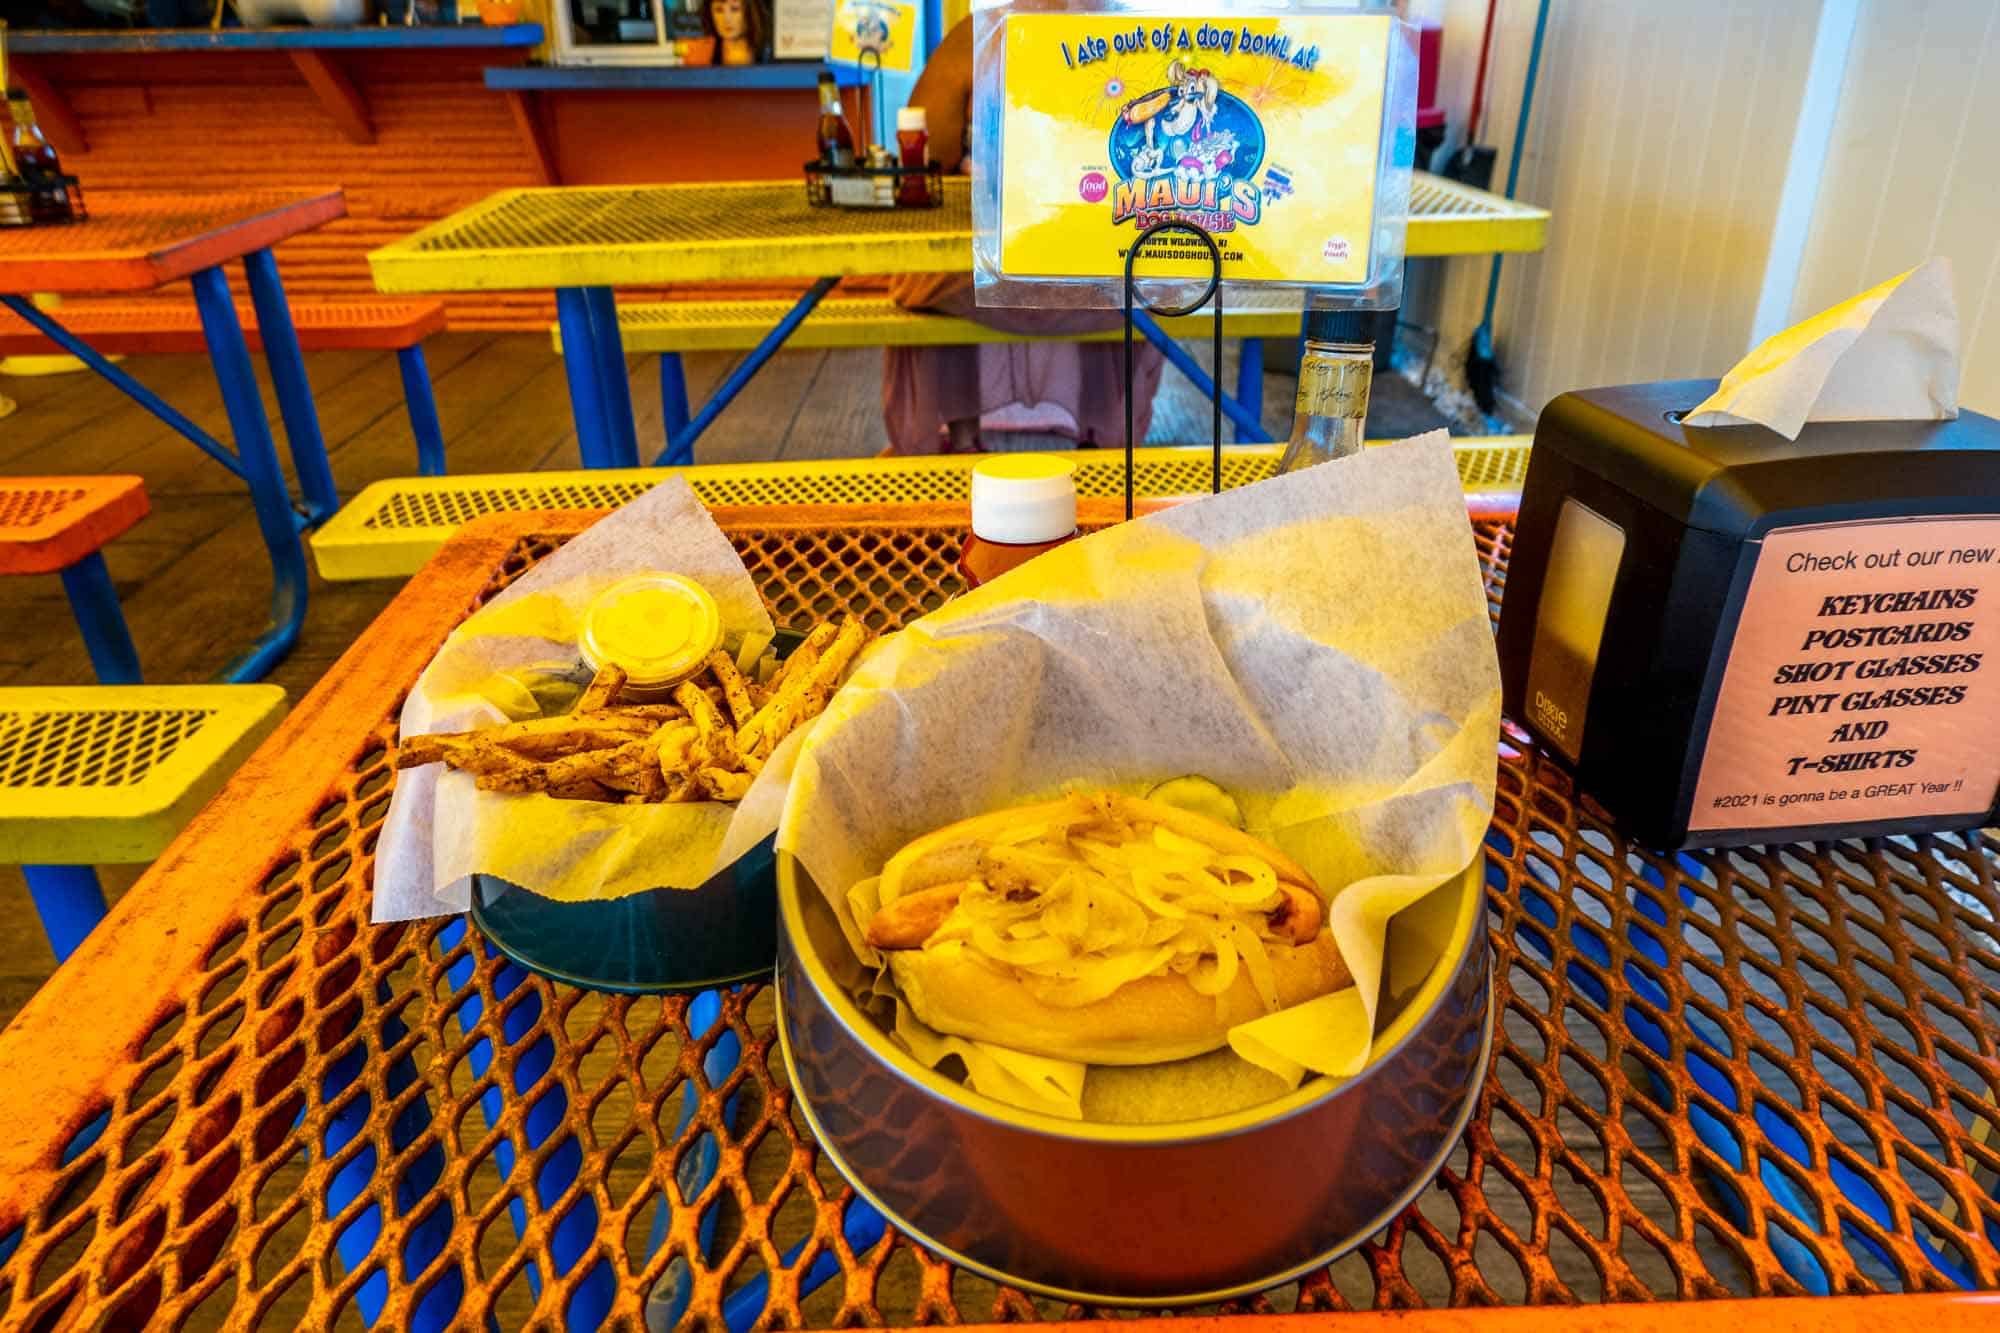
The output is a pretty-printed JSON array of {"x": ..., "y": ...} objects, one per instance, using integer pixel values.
[{"x": 1735, "y": 638}]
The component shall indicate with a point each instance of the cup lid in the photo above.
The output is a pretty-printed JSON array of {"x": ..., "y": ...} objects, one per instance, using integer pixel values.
[
  {"x": 1022, "y": 498},
  {"x": 657, "y": 628}
]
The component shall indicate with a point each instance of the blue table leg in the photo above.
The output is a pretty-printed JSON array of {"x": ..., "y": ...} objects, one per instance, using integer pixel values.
[
  {"x": 586, "y": 387},
  {"x": 1249, "y": 426},
  {"x": 680, "y": 445},
  {"x": 438, "y": 1309},
  {"x": 288, "y": 379},
  {"x": 673, "y": 396},
  {"x": 667, "y": 1302},
  {"x": 1250, "y": 375},
  {"x": 119, "y": 380},
  {"x": 422, "y": 406},
  {"x": 259, "y": 458},
  {"x": 94, "y": 602},
  {"x": 577, "y": 1232},
  {"x": 69, "y": 900},
  {"x": 609, "y": 347}
]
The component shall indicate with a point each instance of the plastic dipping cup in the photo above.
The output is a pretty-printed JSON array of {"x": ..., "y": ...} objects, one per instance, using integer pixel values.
[{"x": 656, "y": 628}]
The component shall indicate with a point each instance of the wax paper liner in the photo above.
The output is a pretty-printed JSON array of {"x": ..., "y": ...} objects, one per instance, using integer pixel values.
[
  {"x": 508, "y": 661},
  {"x": 1318, "y": 644}
]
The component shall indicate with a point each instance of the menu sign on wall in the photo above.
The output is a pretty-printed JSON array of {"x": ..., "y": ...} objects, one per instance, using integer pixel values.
[{"x": 801, "y": 29}]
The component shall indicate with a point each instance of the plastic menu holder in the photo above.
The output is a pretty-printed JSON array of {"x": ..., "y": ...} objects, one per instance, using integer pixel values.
[{"x": 1285, "y": 133}]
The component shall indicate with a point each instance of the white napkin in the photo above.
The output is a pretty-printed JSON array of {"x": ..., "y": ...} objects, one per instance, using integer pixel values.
[{"x": 1889, "y": 354}]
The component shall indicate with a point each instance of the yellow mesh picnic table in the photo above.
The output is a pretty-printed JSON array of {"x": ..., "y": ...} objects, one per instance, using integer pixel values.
[{"x": 612, "y": 236}]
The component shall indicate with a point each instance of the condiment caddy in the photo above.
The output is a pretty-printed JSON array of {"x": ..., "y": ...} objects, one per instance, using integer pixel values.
[{"x": 843, "y": 176}]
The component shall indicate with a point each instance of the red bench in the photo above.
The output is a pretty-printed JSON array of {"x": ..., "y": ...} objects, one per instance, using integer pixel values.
[{"x": 140, "y": 329}]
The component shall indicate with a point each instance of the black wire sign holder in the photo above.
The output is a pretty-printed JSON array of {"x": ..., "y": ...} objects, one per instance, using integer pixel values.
[{"x": 1209, "y": 293}]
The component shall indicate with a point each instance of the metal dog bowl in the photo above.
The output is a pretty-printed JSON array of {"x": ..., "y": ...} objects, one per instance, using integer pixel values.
[
  {"x": 659, "y": 941},
  {"x": 1186, "y": 1212}
]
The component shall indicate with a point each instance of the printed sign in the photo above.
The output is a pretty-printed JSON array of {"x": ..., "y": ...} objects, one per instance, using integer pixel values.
[
  {"x": 800, "y": 29},
  {"x": 1264, "y": 132},
  {"x": 1861, "y": 685},
  {"x": 884, "y": 30}
]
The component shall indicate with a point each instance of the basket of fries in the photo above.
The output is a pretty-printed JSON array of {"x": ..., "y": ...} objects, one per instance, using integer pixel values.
[
  {"x": 594, "y": 763},
  {"x": 703, "y": 748}
]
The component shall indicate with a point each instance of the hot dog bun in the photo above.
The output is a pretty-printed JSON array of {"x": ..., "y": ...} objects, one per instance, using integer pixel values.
[
  {"x": 958, "y": 990},
  {"x": 1143, "y": 1022}
]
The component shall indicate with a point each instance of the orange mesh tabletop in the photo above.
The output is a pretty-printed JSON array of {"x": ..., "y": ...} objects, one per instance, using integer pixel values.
[
  {"x": 136, "y": 242},
  {"x": 1759, "y": 1073},
  {"x": 139, "y": 330},
  {"x": 50, "y": 523}
]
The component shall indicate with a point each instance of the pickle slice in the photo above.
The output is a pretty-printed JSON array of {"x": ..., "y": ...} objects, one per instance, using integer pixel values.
[{"x": 1198, "y": 795}]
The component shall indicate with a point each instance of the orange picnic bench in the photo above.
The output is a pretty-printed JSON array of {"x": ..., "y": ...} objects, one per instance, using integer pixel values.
[{"x": 142, "y": 328}]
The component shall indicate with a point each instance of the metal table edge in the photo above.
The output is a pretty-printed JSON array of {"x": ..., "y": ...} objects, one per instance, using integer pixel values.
[{"x": 72, "y": 1042}]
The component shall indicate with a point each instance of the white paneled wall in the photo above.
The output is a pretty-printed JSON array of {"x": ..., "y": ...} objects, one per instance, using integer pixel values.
[
  {"x": 1913, "y": 169},
  {"x": 1659, "y": 139}
]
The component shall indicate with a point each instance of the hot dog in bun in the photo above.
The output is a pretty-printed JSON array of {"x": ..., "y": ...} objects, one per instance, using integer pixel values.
[{"x": 1102, "y": 928}]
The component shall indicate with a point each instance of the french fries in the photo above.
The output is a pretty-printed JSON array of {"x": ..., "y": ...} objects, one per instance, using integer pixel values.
[
  {"x": 708, "y": 744},
  {"x": 604, "y": 687},
  {"x": 735, "y": 689}
]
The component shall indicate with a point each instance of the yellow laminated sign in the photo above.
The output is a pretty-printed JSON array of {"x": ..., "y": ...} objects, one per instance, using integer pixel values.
[{"x": 1264, "y": 131}]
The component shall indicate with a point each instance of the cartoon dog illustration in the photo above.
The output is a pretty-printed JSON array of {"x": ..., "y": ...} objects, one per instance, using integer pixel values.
[
  {"x": 1179, "y": 120},
  {"x": 1191, "y": 114}
]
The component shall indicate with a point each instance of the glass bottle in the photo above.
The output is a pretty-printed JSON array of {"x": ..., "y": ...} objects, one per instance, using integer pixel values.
[
  {"x": 836, "y": 141},
  {"x": 1334, "y": 376},
  {"x": 13, "y": 201},
  {"x": 36, "y": 160}
]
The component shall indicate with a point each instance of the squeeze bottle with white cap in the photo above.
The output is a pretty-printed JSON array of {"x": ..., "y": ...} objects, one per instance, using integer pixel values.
[{"x": 1022, "y": 505}]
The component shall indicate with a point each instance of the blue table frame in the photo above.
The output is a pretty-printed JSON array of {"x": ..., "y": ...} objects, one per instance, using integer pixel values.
[
  {"x": 601, "y": 394},
  {"x": 255, "y": 458}
]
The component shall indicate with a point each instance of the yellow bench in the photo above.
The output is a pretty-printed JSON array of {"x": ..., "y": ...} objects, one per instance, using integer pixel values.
[
  {"x": 392, "y": 527},
  {"x": 105, "y": 774}
]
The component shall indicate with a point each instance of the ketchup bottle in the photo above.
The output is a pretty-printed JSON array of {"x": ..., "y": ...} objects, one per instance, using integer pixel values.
[
  {"x": 913, "y": 139},
  {"x": 1022, "y": 505}
]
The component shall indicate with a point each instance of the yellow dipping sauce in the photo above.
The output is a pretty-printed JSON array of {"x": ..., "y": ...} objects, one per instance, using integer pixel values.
[{"x": 657, "y": 628}]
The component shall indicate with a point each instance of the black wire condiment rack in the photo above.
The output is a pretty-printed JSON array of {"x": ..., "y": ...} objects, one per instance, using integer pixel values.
[{"x": 884, "y": 185}]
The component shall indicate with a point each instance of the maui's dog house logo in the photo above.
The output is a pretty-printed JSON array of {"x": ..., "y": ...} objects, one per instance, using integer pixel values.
[{"x": 1189, "y": 152}]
